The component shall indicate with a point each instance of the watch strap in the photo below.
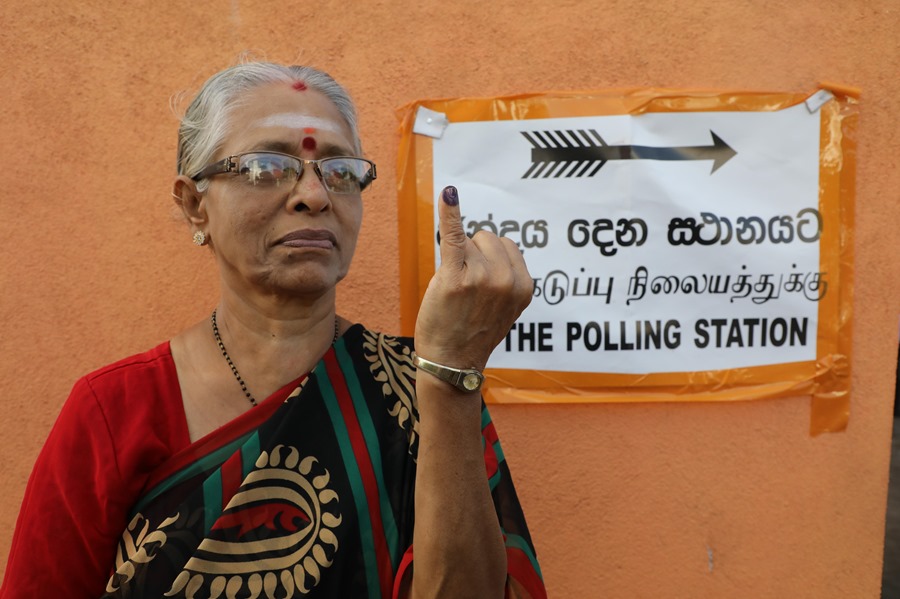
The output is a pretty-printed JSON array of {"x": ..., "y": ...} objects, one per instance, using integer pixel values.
[{"x": 464, "y": 379}]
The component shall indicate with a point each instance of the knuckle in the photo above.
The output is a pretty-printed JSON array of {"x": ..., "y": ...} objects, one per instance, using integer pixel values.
[
  {"x": 483, "y": 235},
  {"x": 510, "y": 245},
  {"x": 525, "y": 297},
  {"x": 503, "y": 285}
]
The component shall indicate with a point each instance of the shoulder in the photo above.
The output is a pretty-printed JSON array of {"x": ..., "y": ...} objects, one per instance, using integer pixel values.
[
  {"x": 374, "y": 338},
  {"x": 387, "y": 358},
  {"x": 379, "y": 348},
  {"x": 153, "y": 365},
  {"x": 385, "y": 362},
  {"x": 92, "y": 413},
  {"x": 92, "y": 467},
  {"x": 138, "y": 399},
  {"x": 147, "y": 380}
]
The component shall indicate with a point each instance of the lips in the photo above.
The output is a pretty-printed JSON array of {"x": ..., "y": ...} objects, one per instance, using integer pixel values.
[{"x": 309, "y": 238}]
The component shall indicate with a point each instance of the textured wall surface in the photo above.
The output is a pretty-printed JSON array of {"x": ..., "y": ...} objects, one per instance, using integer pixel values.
[{"x": 624, "y": 501}]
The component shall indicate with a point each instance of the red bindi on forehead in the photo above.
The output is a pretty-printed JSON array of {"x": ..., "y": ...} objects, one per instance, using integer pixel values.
[
  {"x": 299, "y": 86},
  {"x": 309, "y": 143},
  {"x": 309, "y": 129}
]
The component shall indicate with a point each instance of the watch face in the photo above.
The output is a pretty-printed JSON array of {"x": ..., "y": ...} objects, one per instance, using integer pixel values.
[{"x": 471, "y": 382}]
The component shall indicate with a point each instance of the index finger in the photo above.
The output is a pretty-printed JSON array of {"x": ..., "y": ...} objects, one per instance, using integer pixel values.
[{"x": 453, "y": 237}]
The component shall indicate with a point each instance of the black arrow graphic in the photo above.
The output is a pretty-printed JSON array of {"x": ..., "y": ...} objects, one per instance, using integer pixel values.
[{"x": 580, "y": 153}]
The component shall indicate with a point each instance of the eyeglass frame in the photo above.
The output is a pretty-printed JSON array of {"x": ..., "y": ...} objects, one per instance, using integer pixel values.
[{"x": 230, "y": 165}]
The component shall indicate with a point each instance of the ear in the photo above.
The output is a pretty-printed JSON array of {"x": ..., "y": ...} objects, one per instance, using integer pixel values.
[{"x": 191, "y": 202}]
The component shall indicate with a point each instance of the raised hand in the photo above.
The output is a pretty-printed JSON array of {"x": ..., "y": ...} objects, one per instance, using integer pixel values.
[{"x": 477, "y": 293}]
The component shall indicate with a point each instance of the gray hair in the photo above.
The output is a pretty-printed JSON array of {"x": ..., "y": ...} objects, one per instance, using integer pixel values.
[{"x": 205, "y": 121}]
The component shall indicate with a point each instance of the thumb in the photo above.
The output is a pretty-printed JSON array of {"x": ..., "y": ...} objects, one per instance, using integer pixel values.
[{"x": 453, "y": 237}]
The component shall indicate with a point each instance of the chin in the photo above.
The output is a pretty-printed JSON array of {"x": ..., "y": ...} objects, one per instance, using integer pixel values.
[{"x": 305, "y": 281}]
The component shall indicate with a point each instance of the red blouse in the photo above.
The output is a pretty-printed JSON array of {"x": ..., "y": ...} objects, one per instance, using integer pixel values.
[{"x": 117, "y": 426}]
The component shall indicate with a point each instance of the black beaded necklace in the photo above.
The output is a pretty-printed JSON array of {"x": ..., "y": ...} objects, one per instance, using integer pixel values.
[{"x": 234, "y": 369}]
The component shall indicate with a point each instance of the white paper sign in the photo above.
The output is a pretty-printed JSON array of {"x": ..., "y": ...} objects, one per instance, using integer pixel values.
[{"x": 664, "y": 242}]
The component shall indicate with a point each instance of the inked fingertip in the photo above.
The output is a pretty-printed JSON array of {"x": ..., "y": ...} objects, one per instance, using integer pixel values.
[{"x": 450, "y": 196}]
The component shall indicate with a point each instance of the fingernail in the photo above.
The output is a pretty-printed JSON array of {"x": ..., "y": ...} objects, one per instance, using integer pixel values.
[{"x": 450, "y": 196}]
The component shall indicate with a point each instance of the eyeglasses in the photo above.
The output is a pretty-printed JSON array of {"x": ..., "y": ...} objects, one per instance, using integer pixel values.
[{"x": 339, "y": 174}]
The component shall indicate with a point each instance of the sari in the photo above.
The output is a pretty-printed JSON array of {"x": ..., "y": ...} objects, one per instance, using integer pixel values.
[{"x": 311, "y": 494}]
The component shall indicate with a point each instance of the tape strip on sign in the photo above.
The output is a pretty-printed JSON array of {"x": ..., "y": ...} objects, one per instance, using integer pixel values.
[{"x": 430, "y": 123}]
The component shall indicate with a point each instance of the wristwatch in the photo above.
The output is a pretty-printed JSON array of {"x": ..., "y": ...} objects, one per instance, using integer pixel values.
[{"x": 466, "y": 379}]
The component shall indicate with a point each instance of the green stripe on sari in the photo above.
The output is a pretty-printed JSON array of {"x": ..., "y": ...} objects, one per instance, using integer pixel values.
[
  {"x": 208, "y": 462},
  {"x": 212, "y": 500},
  {"x": 499, "y": 451},
  {"x": 485, "y": 417},
  {"x": 522, "y": 545},
  {"x": 354, "y": 477},
  {"x": 494, "y": 480},
  {"x": 371, "y": 437},
  {"x": 250, "y": 453}
]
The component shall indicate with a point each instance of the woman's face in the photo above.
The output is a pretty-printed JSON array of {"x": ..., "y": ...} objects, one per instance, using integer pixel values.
[{"x": 289, "y": 240}]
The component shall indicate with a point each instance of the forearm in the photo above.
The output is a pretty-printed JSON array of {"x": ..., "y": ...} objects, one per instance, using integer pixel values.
[
  {"x": 474, "y": 297},
  {"x": 459, "y": 549}
]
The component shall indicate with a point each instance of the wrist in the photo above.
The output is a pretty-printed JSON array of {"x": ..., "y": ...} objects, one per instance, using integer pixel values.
[
  {"x": 445, "y": 411},
  {"x": 466, "y": 380}
]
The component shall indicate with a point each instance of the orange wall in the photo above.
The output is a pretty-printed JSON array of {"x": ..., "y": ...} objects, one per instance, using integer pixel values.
[{"x": 624, "y": 501}]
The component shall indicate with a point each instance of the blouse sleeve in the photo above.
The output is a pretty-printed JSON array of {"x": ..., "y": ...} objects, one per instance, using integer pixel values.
[
  {"x": 70, "y": 521},
  {"x": 523, "y": 575}
]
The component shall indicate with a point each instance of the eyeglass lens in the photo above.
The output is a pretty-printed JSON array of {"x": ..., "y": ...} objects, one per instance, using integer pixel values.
[{"x": 339, "y": 175}]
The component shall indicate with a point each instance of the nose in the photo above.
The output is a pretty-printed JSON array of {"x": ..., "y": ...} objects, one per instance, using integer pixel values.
[{"x": 309, "y": 193}]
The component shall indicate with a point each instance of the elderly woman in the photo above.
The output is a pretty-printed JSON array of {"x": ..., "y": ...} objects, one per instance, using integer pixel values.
[{"x": 276, "y": 449}]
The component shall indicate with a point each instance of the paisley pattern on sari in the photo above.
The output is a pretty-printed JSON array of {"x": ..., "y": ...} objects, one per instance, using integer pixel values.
[{"x": 317, "y": 501}]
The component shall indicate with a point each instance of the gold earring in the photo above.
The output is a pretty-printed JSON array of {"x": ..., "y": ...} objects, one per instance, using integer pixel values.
[{"x": 199, "y": 238}]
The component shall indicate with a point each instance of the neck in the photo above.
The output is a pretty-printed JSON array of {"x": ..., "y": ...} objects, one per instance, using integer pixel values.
[
  {"x": 272, "y": 343},
  {"x": 275, "y": 319}
]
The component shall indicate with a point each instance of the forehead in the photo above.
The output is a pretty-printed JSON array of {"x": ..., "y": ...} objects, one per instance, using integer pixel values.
[{"x": 278, "y": 111}]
